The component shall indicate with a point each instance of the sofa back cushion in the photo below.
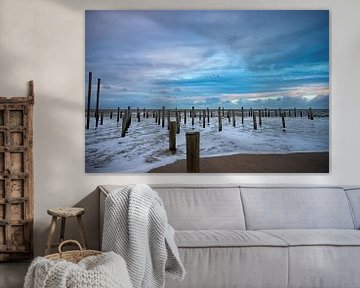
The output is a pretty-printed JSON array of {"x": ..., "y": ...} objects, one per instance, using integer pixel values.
[
  {"x": 296, "y": 208},
  {"x": 203, "y": 208},
  {"x": 354, "y": 198}
]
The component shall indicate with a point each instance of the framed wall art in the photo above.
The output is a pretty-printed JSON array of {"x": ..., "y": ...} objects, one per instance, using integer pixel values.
[{"x": 189, "y": 91}]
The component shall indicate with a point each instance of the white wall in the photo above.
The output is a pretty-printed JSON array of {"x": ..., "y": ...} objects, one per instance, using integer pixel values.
[{"x": 43, "y": 40}]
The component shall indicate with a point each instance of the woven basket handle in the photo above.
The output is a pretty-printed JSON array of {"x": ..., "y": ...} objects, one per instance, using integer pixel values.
[{"x": 69, "y": 241}]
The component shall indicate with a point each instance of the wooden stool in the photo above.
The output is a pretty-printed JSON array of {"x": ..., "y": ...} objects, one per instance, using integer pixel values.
[{"x": 64, "y": 213}]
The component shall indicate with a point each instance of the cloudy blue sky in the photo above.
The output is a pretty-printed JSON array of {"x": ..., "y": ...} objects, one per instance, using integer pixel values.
[{"x": 259, "y": 58}]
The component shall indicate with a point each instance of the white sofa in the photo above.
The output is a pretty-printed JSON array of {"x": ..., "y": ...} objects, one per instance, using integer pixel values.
[{"x": 246, "y": 236}]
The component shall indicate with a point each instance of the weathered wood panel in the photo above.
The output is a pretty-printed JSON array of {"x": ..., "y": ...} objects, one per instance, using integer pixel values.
[{"x": 16, "y": 177}]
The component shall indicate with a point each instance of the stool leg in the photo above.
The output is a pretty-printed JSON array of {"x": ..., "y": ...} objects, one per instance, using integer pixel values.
[
  {"x": 62, "y": 231},
  {"x": 82, "y": 232},
  {"x": 51, "y": 235}
]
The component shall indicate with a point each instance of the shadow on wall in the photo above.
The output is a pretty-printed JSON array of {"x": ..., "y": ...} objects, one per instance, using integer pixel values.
[
  {"x": 56, "y": 157},
  {"x": 90, "y": 218}
]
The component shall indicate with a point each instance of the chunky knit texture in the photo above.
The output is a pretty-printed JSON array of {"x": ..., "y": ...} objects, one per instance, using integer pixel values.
[
  {"x": 136, "y": 227},
  {"x": 103, "y": 271}
]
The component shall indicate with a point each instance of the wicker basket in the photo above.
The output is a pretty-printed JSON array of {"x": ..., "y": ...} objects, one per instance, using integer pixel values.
[{"x": 72, "y": 256}]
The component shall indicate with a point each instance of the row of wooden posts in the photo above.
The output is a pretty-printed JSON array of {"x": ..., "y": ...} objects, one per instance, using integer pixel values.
[{"x": 160, "y": 115}]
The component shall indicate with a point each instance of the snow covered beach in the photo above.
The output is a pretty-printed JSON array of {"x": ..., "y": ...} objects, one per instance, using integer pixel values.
[{"x": 146, "y": 144}]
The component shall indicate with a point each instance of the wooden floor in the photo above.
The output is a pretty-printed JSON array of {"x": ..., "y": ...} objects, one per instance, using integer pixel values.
[{"x": 12, "y": 274}]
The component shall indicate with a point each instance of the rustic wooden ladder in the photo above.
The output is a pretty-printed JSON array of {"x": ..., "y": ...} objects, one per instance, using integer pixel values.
[{"x": 16, "y": 177}]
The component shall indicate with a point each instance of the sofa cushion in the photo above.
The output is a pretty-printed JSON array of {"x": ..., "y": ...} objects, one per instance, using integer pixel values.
[
  {"x": 220, "y": 267},
  {"x": 226, "y": 238},
  {"x": 296, "y": 208},
  {"x": 199, "y": 207},
  {"x": 315, "y": 237},
  {"x": 354, "y": 198},
  {"x": 206, "y": 208},
  {"x": 324, "y": 266},
  {"x": 322, "y": 258}
]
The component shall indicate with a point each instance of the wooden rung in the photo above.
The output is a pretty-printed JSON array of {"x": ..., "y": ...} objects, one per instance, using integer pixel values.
[{"x": 12, "y": 222}]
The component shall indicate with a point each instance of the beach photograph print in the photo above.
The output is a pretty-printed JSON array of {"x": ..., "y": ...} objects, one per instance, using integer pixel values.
[{"x": 206, "y": 91}]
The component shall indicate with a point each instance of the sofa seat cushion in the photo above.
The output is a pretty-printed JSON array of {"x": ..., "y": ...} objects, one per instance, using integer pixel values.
[
  {"x": 225, "y": 238},
  {"x": 317, "y": 237}
]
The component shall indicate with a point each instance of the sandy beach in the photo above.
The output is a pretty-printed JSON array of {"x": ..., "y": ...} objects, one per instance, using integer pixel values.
[{"x": 317, "y": 162}]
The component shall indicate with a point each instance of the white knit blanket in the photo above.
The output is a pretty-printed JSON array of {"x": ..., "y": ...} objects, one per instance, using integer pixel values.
[
  {"x": 104, "y": 271},
  {"x": 136, "y": 227}
]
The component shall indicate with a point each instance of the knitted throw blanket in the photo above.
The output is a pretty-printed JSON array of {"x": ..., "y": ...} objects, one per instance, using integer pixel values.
[
  {"x": 136, "y": 227},
  {"x": 103, "y": 271}
]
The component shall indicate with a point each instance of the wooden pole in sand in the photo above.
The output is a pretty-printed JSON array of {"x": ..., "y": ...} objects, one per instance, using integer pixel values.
[
  {"x": 144, "y": 112},
  {"x": 97, "y": 102},
  {"x": 172, "y": 136},
  {"x": 102, "y": 118},
  {"x": 192, "y": 115},
  {"x": 118, "y": 115},
  {"x": 126, "y": 121},
  {"x": 311, "y": 114},
  {"x": 260, "y": 122},
  {"x": 204, "y": 118},
  {"x": 219, "y": 119},
  {"x": 233, "y": 116},
  {"x": 280, "y": 114},
  {"x": 163, "y": 117},
  {"x": 254, "y": 120},
  {"x": 177, "y": 122},
  {"x": 223, "y": 111},
  {"x": 208, "y": 115},
  {"x": 242, "y": 115},
  {"x": 283, "y": 121},
  {"x": 295, "y": 112},
  {"x": 156, "y": 117},
  {"x": 89, "y": 102},
  {"x": 301, "y": 113},
  {"x": 121, "y": 113},
  {"x": 168, "y": 118},
  {"x": 123, "y": 130},
  {"x": 192, "y": 152},
  {"x": 185, "y": 116},
  {"x": 138, "y": 114},
  {"x": 228, "y": 115},
  {"x": 111, "y": 114}
]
